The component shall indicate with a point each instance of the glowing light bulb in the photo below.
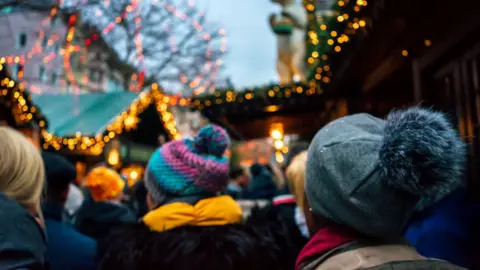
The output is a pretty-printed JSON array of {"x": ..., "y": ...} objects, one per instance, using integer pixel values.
[
  {"x": 276, "y": 134},
  {"x": 113, "y": 158},
  {"x": 279, "y": 144}
]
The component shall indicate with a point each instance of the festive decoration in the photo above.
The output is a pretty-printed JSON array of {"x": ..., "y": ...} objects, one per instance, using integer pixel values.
[
  {"x": 167, "y": 117},
  {"x": 133, "y": 174},
  {"x": 323, "y": 42},
  {"x": 126, "y": 121},
  {"x": 277, "y": 134},
  {"x": 13, "y": 95},
  {"x": 290, "y": 27}
]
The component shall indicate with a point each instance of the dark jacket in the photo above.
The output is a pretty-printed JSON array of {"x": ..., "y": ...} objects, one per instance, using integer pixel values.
[
  {"x": 67, "y": 248},
  {"x": 447, "y": 231},
  {"x": 97, "y": 219},
  {"x": 22, "y": 240},
  {"x": 260, "y": 244},
  {"x": 286, "y": 208}
]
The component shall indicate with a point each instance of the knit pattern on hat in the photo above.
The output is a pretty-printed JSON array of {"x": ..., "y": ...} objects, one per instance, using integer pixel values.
[
  {"x": 370, "y": 174},
  {"x": 191, "y": 166}
]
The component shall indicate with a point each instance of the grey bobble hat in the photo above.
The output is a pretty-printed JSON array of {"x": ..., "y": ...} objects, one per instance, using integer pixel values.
[{"x": 371, "y": 174}]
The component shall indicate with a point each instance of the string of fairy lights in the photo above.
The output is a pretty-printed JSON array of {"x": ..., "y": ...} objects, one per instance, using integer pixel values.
[
  {"x": 339, "y": 31},
  {"x": 24, "y": 112},
  {"x": 126, "y": 121},
  {"x": 17, "y": 99},
  {"x": 325, "y": 39},
  {"x": 44, "y": 44}
]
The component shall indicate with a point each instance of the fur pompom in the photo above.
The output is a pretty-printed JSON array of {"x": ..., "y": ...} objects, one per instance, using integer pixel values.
[{"x": 422, "y": 153}]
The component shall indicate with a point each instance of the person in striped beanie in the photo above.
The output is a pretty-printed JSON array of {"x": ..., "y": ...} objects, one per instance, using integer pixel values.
[
  {"x": 186, "y": 176},
  {"x": 191, "y": 225}
]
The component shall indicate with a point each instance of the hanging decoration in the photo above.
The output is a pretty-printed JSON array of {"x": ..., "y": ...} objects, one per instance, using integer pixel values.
[
  {"x": 277, "y": 134},
  {"x": 126, "y": 121},
  {"x": 44, "y": 43},
  {"x": 14, "y": 96},
  {"x": 323, "y": 41}
]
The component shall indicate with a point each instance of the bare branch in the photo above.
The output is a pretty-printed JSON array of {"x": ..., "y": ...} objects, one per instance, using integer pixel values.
[{"x": 178, "y": 46}]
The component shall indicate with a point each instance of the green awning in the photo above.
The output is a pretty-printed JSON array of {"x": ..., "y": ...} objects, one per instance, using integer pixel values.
[{"x": 88, "y": 114}]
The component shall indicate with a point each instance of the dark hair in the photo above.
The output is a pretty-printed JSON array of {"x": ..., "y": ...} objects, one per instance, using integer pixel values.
[
  {"x": 139, "y": 199},
  {"x": 256, "y": 169},
  {"x": 59, "y": 173},
  {"x": 236, "y": 172}
]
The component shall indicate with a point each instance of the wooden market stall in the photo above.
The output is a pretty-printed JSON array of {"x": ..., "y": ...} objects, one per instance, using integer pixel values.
[{"x": 121, "y": 129}]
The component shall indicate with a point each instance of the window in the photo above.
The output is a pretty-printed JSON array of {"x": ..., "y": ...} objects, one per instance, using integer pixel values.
[
  {"x": 22, "y": 40},
  {"x": 98, "y": 56},
  {"x": 92, "y": 76},
  {"x": 54, "y": 78},
  {"x": 44, "y": 42},
  {"x": 100, "y": 76},
  {"x": 19, "y": 73},
  {"x": 56, "y": 47},
  {"x": 41, "y": 73}
]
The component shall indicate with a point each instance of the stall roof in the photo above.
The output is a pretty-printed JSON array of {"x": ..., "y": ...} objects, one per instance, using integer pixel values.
[{"x": 88, "y": 114}]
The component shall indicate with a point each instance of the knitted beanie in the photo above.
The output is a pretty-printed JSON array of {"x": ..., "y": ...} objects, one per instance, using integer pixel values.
[
  {"x": 370, "y": 174},
  {"x": 58, "y": 170},
  {"x": 104, "y": 184},
  {"x": 190, "y": 167}
]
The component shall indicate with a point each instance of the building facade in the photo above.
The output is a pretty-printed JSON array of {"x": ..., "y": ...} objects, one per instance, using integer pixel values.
[{"x": 30, "y": 43}]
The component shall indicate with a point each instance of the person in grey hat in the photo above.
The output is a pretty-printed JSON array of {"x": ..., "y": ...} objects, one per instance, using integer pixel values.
[{"x": 365, "y": 177}]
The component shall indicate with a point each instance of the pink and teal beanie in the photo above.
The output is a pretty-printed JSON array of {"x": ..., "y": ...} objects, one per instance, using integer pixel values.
[{"x": 189, "y": 167}]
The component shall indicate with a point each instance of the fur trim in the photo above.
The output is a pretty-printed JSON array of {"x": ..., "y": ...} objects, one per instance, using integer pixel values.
[
  {"x": 258, "y": 244},
  {"x": 422, "y": 154}
]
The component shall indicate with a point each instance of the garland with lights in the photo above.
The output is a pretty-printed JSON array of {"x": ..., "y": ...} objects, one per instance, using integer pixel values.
[
  {"x": 126, "y": 121},
  {"x": 14, "y": 96},
  {"x": 323, "y": 40}
]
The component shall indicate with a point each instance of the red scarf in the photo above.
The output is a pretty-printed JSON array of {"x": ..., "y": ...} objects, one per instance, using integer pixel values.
[{"x": 323, "y": 241}]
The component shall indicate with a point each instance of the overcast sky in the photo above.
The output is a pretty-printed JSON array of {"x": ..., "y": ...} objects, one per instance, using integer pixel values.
[{"x": 252, "y": 46}]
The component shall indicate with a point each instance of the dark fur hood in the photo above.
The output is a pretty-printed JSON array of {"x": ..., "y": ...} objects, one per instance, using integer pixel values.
[{"x": 259, "y": 243}]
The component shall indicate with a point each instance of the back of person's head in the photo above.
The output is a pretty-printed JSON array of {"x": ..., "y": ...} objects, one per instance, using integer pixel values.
[
  {"x": 190, "y": 167},
  {"x": 21, "y": 169},
  {"x": 139, "y": 198},
  {"x": 104, "y": 184},
  {"x": 371, "y": 174},
  {"x": 59, "y": 174},
  {"x": 236, "y": 172},
  {"x": 296, "y": 177},
  {"x": 262, "y": 184},
  {"x": 294, "y": 151}
]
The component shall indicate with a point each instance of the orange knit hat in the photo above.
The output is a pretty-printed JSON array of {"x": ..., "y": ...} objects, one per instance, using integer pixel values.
[{"x": 104, "y": 184}]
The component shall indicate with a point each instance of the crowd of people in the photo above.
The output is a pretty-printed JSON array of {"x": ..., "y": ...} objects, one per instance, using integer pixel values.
[{"x": 365, "y": 193}]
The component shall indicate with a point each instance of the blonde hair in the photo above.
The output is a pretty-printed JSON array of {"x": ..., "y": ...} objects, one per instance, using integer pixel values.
[
  {"x": 296, "y": 177},
  {"x": 22, "y": 173}
]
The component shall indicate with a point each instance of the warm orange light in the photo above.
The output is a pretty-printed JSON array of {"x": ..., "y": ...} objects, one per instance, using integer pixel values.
[{"x": 113, "y": 158}]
